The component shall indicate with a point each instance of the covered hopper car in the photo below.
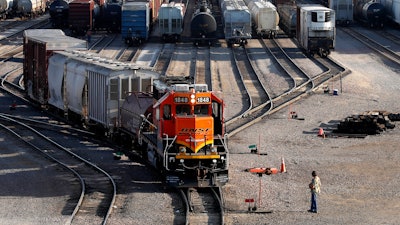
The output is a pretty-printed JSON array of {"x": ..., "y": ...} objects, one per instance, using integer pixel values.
[
  {"x": 170, "y": 20},
  {"x": 265, "y": 17},
  {"x": 236, "y": 21}
]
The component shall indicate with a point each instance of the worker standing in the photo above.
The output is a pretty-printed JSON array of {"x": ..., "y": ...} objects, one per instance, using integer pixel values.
[{"x": 315, "y": 187}]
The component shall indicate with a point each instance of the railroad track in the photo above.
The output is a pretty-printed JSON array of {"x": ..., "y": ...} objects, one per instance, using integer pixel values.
[
  {"x": 98, "y": 190},
  {"x": 164, "y": 58},
  {"x": 302, "y": 84},
  {"x": 375, "y": 46},
  {"x": 202, "y": 75},
  {"x": 203, "y": 205}
]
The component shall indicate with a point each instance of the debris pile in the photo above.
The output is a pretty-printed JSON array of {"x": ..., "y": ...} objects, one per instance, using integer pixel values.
[{"x": 369, "y": 122}]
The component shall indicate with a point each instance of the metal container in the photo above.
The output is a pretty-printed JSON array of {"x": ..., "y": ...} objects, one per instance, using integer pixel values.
[
  {"x": 110, "y": 18},
  {"x": 5, "y": 7},
  {"x": 265, "y": 17},
  {"x": 94, "y": 87},
  {"x": 39, "y": 44}
]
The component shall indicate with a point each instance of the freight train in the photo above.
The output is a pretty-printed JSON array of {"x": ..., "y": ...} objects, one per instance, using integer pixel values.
[
  {"x": 392, "y": 8},
  {"x": 316, "y": 30},
  {"x": 236, "y": 21},
  {"x": 179, "y": 130},
  {"x": 176, "y": 126},
  {"x": 288, "y": 18},
  {"x": 265, "y": 18},
  {"x": 203, "y": 25},
  {"x": 29, "y": 8}
]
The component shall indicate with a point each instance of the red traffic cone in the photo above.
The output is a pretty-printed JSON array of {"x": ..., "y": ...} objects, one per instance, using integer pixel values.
[
  {"x": 321, "y": 133},
  {"x": 283, "y": 167}
]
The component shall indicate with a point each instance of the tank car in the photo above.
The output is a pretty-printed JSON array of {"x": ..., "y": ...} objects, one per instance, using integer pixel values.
[
  {"x": 370, "y": 13},
  {"x": 135, "y": 22},
  {"x": 343, "y": 10},
  {"x": 6, "y": 7},
  {"x": 59, "y": 12},
  {"x": 110, "y": 17},
  {"x": 236, "y": 21},
  {"x": 392, "y": 8},
  {"x": 316, "y": 31},
  {"x": 170, "y": 20},
  {"x": 180, "y": 131},
  {"x": 29, "y": 8},
  {"x": 83, "y": 15},
  {"x": 288, "y": 18},
  {"x": 203, "y": 26},
  {"x": 265, "y": 17}
]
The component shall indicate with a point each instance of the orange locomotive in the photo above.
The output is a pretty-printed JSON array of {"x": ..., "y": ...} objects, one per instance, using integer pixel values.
[{"x": 180, "y": 131}]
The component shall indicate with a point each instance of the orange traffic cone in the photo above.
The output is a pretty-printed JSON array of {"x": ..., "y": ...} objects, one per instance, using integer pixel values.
[
  {"x": 283, "y": 167},
  {"x": 321, "y": 133}
]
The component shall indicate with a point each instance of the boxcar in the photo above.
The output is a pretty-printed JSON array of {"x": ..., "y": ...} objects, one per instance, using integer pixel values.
[
  {"x": 170, "y": 20},
  {"x": 135, "y": 22},
  {"x": 92, "y": 89},
  {"x": 316, "y": 29},
  {"x": 39, "y": 44},
  {"x": 82, "y": 16}
]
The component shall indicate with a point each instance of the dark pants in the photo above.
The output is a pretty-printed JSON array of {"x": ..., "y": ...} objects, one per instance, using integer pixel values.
[{"x": 313, "y": 202}]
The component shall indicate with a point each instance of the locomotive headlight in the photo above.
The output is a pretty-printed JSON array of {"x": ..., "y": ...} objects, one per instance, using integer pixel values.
[
  {"x": 222, "y": 158},
  {"x": 214, "y": 161},
  {"x": 182, "y": 161},
  {"x": 192, "y": 98}
]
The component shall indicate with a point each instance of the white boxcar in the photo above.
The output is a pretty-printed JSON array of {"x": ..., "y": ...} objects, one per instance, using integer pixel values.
[
  {"x": 392, "y": 8},
  {"x": 236, "y": 20},
  {"x": 316, "y": 29},
  {"x": 265, "y": 17},
  {"x": 343, "y": 11},
  {"x": 170, "y": 20},
  {"x": 93, "y": 87}
]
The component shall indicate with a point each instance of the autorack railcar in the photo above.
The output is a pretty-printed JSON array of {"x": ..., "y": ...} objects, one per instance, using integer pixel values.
[
  {"x": 203, "y": 25},
  {"x": 170, "y": 20},
  {"x": 265, "y": 18},
  {"x": 236, "y": 21},
  {"x": 316, "y": 31}
]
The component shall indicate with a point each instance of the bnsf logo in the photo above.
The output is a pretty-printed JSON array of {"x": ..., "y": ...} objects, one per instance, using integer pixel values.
[{"x": 194, "y": 130}]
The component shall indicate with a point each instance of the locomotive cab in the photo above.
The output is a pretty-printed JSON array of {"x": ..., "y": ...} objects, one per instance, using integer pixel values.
[{"x": 189, "y": 121}]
